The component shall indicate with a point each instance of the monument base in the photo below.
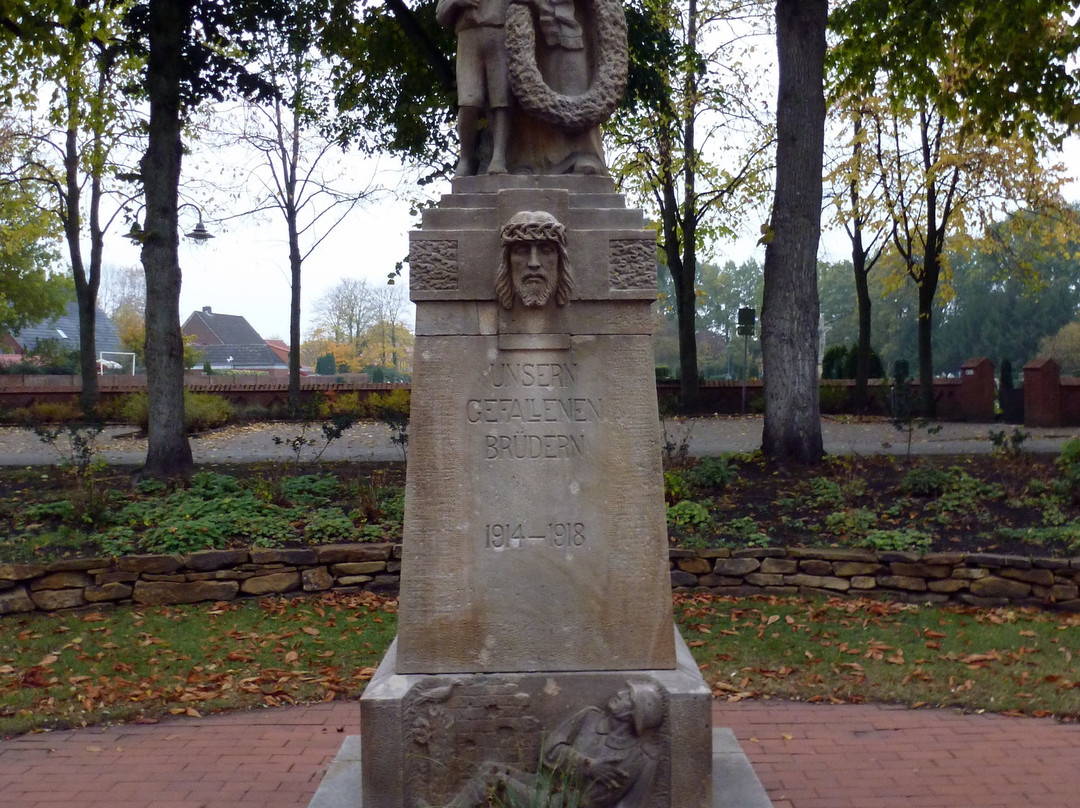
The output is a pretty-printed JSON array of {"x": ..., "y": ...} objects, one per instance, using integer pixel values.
[
  {"x": 735, "y": 784},
  {"x": 430, "y": 738}
]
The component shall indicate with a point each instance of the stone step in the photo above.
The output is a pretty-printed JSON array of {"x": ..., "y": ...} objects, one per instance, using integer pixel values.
[{"x": 735, "y": 785}]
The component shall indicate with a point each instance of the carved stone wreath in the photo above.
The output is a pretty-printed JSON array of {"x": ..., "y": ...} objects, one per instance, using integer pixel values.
[{"x": 569, "y": 112}]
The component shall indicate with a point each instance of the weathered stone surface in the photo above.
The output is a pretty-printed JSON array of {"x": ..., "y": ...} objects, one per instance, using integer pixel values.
[
  {"x": 293, "y": 556},
  {"x": 994, "y": 587},
  {"x": 78, "y": 564},
  {"x": 62, "y": 580},
  {"x": 348, "y": 553},
  {"x": 849, "y": 569},
  {"x": 50, "y": 600},
  {"x": 905, "y": 582},
  {"x": 715, "y": 552},
  {"x": 676, "y": 553},
  {"x": 996, "y": 560},
  {"x": 713, "y": 581},
  {"x": 210, "y": 560},
  {"x": 175, "y": 578},
  {"x": 384, "y": 584},
  {"x": 276, "y": 583},
  {"x": 830, "y": 583},
  {"x": 153, "y": 564},
  {"x": 1051, "y": 563},
  {"x": 759, "y": 552},
  {"x": 951, "y": 559},
  {"x": 680, "y": 578},
  {"x": 107, "y": 592},
  {"x": 316, "y": 579},
  {"x": 783, "y": 566},
  {"x": 15, "y": 601},
  {"x": 20, "y": 572},
  {"x": 1062, "y": 592},
  {"x": 918, "y": 570},
  {"x": 947, "y": 585},
  {"x": 898, "y": 556},
  {"x": 736, "y": 566},
  {"x": 697, "y": 566},
  {"x": 1042, "y": 577},
  {"x": 832, "y": 553},
  {"x": 355, "y": 580},
  {"x": 358, "y": 568},
  {"x": 863, "y": 582},
  {"x": 160, "y": 593},
  {"x": 115, "y": 577},
  {"x": 970, "y": 573},
  {"x": 815, "y": 566},
  {"x": 765, "y": 579}
]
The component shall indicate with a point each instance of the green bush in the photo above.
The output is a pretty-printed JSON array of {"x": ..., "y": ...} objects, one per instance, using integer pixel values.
[
  {"x": 202, "y": 411},
  {"x": 833, "y": 399},
  {"x": 925, "y": 481}
]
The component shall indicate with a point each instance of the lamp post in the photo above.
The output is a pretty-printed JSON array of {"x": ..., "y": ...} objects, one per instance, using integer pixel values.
[
  {"x": 745, "y": 329},
  {"x": 198, "y": 233}
]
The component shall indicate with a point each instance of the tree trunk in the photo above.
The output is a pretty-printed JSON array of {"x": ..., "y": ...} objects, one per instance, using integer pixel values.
[
  {"x": 168, "y": 451},
  {"x": 85, "y": 292},
  {"x": 295, "y": 264},
  {"x": 789, "y": 317},
  {"x": 862, "y": 302},
  {"x": 927, "y": 292}
]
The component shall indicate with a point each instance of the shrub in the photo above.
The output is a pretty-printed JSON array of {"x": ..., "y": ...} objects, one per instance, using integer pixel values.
[
  {"x": 202, "y": 411},
  {"x": 833, "y": 399},
  {"x": 925, "y": 481},
  {"x": 54, "y": 412}
]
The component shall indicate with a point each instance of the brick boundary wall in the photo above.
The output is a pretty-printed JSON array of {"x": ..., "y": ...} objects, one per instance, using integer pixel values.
[{"x": 973, "y": 579}]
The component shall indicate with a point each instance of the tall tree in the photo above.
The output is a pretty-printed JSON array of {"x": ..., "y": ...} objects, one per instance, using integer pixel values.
[
  {"x": 856, "y": 197},
  {"x": 789, "y": 317},
  {"x": 74, "y": 48},
  {"x": 957, "y": 85},
  {"x": 297, "y": 175},
  {"x": 193, "y": 52},
  {"x": 30, "y": 289},
  {"x": 662, "y": 143}
]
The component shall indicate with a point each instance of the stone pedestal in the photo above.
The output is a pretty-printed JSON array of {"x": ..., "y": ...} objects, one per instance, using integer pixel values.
[
  {"x": 432, "y": 733},
  {"x": 535, "y": 594}
]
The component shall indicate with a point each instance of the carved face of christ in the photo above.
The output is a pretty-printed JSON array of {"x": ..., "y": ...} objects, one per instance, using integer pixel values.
[{"x": 534, "y": 271}]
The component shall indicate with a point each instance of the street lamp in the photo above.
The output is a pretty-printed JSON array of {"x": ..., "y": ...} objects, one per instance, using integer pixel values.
[{"x": 198, "y": 234}]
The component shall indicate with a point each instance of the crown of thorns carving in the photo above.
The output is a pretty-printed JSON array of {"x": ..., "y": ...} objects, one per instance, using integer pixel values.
[{"x": 533, "y": 226}]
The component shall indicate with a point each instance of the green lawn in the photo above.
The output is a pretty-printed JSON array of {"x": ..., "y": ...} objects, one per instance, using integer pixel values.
[{"x": 137, "y": 664}]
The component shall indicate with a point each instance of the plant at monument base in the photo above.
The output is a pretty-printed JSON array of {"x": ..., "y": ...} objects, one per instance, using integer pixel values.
[
  {"x": 1008, "y": 445},
  {"x": 88, "y": 499},
  {"x": 899, "y": 540},
  {"x": 688, "y": 515},
  {"x": 714, "y": 472}
]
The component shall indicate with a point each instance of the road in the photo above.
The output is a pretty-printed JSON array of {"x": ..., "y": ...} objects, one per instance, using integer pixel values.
[{"x": 370, "y": 441}]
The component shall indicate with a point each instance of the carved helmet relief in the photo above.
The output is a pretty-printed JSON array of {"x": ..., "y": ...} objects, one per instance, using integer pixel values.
[{"x": 534, "y": 267}]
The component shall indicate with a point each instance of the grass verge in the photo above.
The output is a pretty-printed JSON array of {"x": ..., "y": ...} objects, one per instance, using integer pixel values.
[
  {"x": 1012, "y": 661},
  {"x": 132, "y": 664}
]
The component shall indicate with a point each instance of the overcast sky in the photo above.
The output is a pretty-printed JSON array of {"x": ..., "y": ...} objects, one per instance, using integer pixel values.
[{"x": 245, "y": 270}]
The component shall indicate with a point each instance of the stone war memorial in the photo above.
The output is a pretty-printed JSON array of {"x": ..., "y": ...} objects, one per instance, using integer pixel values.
[{"x": 537, "y": 661}]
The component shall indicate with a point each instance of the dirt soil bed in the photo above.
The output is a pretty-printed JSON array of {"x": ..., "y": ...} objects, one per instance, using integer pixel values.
[
  {"x": 1020, "y": 505},
  {"x": 1025, "y": 505}
]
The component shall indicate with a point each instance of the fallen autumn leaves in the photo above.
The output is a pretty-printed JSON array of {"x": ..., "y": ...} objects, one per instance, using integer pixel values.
[
  {"x": 136, "y": 665},
  {"x": 131, "y": 664},
  {"x": 1019, "y": 662}
]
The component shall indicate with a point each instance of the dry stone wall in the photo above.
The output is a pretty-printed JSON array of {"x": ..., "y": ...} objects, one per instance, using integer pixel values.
[{"x": 973, "y": 579}]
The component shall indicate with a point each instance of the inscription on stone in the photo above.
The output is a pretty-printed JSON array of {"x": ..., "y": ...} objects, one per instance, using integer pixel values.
[
  {"x": 523, "y": 424},
  {"x": 516, "y": 536}
]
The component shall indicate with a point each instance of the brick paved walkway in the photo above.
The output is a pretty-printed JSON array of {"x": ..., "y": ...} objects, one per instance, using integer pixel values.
[{"x": 806, "y": 757}]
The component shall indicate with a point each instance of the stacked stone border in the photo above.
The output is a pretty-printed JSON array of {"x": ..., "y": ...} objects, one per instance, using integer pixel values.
[{"x": 974, "y": 579}]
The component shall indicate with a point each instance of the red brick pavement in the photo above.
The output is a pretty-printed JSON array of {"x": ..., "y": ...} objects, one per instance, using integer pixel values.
[{"x": 806, "y": 757}]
